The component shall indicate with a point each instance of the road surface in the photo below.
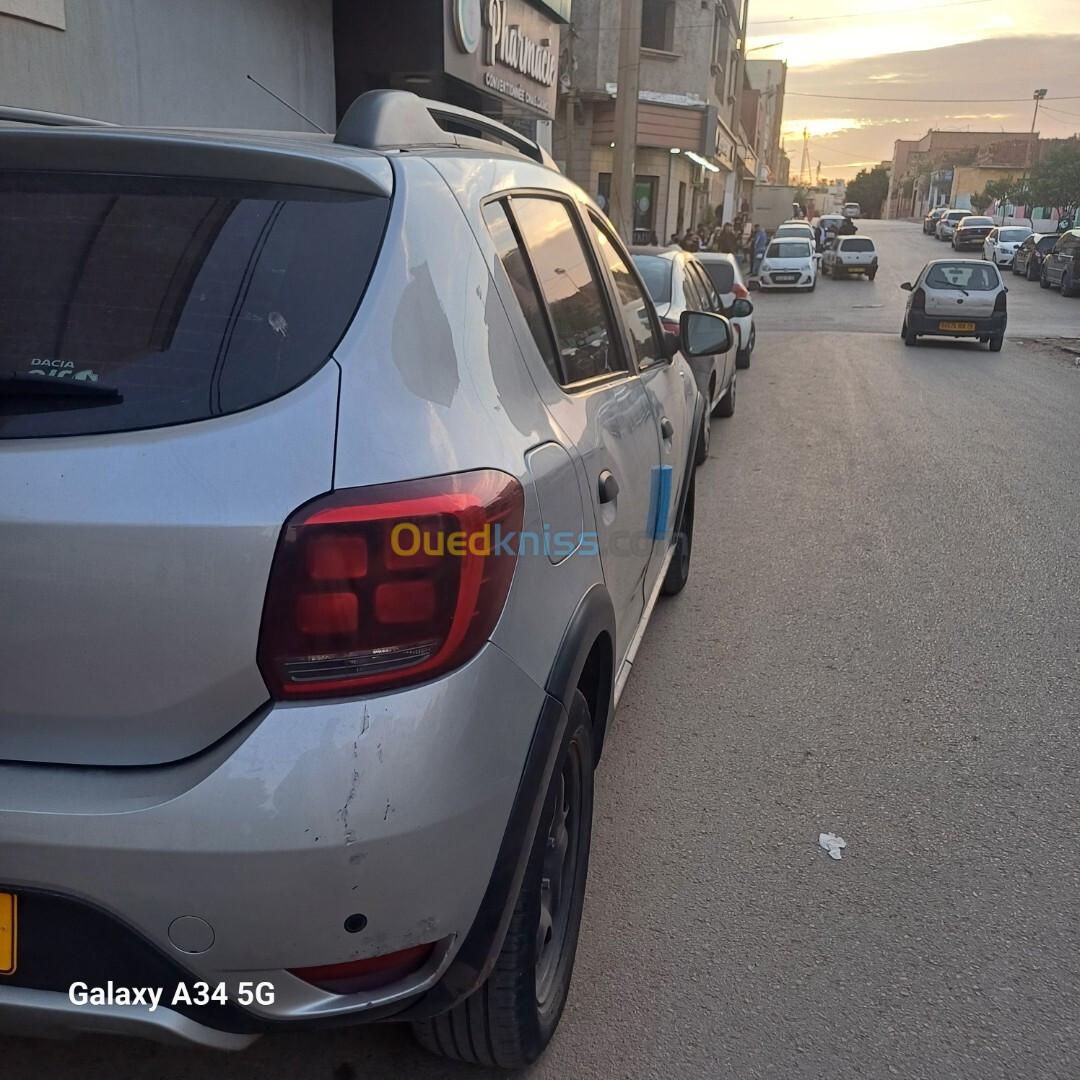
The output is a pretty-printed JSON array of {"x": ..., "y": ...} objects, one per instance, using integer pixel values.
[{"x": 880, "y": 638}]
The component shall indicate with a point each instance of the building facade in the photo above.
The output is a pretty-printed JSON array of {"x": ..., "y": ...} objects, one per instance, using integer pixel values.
[
  {"x": 181, "y": 64},
  {"x": 690, "y": 156},
  {"x": 768, "y": 78}
]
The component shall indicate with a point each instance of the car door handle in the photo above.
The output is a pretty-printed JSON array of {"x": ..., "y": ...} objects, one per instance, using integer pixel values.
[
  {"x": 609, "y": 486},
  {"x": 667, "y": 429}
]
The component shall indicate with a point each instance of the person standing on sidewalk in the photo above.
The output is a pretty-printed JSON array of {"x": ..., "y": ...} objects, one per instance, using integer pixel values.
[{"x": 760, "y": 243}]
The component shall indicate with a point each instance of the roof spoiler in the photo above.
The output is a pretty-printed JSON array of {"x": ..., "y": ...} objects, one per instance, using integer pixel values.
[{"x": 396, "y": 119}]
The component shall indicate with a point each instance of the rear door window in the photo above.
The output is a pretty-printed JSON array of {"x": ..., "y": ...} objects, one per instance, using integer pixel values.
[
  {"x": 721, "y": 274},
  {"x": 190, "y": 298},
  {"x": 586, "y": 346},
  {"x": 706, "y": 287}
]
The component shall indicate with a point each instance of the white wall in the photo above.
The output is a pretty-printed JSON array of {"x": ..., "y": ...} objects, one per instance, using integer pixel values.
[{"x": 174, "y": 62}]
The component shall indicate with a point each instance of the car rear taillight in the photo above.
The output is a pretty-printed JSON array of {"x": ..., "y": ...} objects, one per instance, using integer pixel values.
[
  {"x": 741, "y": 291},
  {"x": 378, "y": 587},
  {"x": 356, "y": 976},
  {"x": 999, "y": 303},
  {"x": 918, "y": 300}
]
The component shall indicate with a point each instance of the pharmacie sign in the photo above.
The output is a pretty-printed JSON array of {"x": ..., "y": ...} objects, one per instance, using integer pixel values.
[{"x": 507, "y": 48}]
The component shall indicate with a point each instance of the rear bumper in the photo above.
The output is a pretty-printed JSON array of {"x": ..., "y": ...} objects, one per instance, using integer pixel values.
[
  {"x": 920, "y": 323},
  {"x": 399, "y": 808},
  {"x": 968, "y": 241}
]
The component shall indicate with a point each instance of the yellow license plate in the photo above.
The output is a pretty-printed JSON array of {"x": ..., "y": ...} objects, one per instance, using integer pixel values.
[
  {"x": 956, "y": 326},
  {"x": 7, "y": 933}
]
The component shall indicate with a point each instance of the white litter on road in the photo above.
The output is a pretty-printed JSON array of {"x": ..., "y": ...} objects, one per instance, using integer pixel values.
[{"x": 832, "y": 843}]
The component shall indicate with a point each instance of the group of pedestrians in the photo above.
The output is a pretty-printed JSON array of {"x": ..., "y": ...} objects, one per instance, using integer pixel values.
[{"x": 741, "y": 238}]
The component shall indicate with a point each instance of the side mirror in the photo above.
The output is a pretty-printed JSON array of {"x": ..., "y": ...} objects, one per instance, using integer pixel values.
[
  {"x": 704, "y": 334},
  {"x": 741, "y": 308},
  {"x": 907, "y": 286}
]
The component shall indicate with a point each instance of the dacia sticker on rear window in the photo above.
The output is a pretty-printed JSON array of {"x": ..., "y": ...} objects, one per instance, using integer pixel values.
[{"x": 60, "y": 369}]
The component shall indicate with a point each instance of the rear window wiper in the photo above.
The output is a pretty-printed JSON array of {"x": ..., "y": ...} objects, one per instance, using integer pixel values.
[
  {"x": 24, "y": 384},
  {"x": 950, "y": 285}
]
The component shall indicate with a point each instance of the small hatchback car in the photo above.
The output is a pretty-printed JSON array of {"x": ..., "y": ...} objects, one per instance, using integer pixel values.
[
  {"x": 956, "y": 298},
  {"x": 338, "y": 479}
]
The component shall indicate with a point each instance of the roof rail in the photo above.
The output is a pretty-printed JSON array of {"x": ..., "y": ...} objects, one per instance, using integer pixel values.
[
  {"x": 48, "y": 119},
  {"x": 392, "y": 119}
]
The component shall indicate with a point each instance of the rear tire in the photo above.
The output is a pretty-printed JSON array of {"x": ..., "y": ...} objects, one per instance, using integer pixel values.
[
  {"x": 1068, "y": 283},
  {"x": 742, "y": 357},
  {"x": 678, "y": 571},
  {"x": 509, "y": 1021},
  {"x": 1044, "y": 281},
  {"x": 704, "y": 438},
  {"x": 996, "y": 342},
  {"x": 909, "y": 336},
  {"x": 871, "y": 275}
]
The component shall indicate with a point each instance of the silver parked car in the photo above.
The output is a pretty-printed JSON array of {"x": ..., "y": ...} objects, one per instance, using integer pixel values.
[
  {"x": 677, "y": 282},
  {"x": 956, "y": 298},
  {"x": 337, "y": 485}
]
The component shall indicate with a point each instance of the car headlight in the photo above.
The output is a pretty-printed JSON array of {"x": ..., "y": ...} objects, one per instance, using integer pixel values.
[{"x": 766, "y": 266}]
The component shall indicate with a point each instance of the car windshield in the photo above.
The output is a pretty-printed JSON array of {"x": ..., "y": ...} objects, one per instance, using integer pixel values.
[
  {"x": 977, "y": 222},
  {"x": 788, "y": 249},
  {"x": 1013, "y": 236},
  {"x": 857, "y": 243},
  {"x": 721, "y": 274},
  {"x": 973, "y": 276},
  {"x": 794, "y": 230},
  {"x": 656, "y": 273}
]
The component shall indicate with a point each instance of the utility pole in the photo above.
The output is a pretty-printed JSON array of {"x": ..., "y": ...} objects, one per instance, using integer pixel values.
[
  {"x": 1038, "y": 95},
  {"x": 626, "y": 109}
]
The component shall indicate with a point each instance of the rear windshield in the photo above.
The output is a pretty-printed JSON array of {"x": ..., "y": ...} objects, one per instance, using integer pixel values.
[
  {"x": 1046, "y": 241},
  {"x": 788, "y": 249},
  {"x": 192, "y": 298},
  {"x": 973, "y": 222},
  {"x": 973, "y": 276},
  {"x": 1013, "y": 236},
  {"x": 721, "y": 274},
  {"x": 656, "y": 273},
  {"x": 857, "y": 243},
  {"x": 795, "y": 230}
]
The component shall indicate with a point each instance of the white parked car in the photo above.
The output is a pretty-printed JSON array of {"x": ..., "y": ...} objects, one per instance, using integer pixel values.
[
  {"x": 947, "y": 223},
  {"x": 847, "y": 256},
  {"x": 789, "y": 263},
  {"x": 1000, "y": 246},
  {"x": 795, "y": 228},
  {"x": 724, "y": 272},
  {"x": 956, "y": 298}
]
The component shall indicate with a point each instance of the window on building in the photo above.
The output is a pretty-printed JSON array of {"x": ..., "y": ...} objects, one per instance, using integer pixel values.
[
  {"x": 658, "y": 24},
  {"x": 575, "y": 298}
]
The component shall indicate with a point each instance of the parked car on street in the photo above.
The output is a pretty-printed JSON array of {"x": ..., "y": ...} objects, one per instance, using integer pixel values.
[
  {"x": 677, "y": 282},
  {"x": 1061, "y": 267},
  {"x": 850, "y": 256},
  {"x": 956, "y": 298},
  {"x": 947, "y": 223},
  {"x": 1030, "y": 254},
  {"x": 929, "y": 224},
  {"x": 795, "y": 228},
  {"x": 970, "y": 232},
  {"x": 831, "y": 224},
  {"x": 726, "y": 276},
  {"x": 1001, "y": 243},
  {"x": 337, "y": 485},
  {"x": 790, "y": 263}
]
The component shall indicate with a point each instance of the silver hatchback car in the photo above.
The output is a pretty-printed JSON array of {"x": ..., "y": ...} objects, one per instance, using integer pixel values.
[{"x": 338, "y": 479}]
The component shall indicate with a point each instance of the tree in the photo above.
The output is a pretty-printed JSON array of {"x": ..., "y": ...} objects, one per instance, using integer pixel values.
[
  {"x": 1055, "y": 181},
  {"x": 869, "y": 190},
  {"x": 1009, "y": 191},
  {"x": 979, "y": 203}
]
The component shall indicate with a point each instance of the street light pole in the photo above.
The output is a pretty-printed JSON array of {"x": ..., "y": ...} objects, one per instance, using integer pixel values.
[
  {"x": 1038, "y": 95},
  {"x": 626, "y": 109}
]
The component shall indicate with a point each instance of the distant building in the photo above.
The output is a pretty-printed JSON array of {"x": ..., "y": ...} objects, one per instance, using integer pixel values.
[
  {"x": 769, "y": 79},
  {"x": 921, "y": 168},
  {"x": 690, "y": 154}
]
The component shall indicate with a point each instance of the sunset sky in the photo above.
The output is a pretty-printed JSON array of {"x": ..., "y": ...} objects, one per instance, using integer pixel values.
[{"x": 978, "y": 49}]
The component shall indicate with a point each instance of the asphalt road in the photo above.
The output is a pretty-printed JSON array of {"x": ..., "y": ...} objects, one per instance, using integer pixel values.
[{"x": 880, "y": 638}]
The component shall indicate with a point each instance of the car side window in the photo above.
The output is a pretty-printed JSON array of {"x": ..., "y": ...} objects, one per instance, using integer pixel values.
[
  {"x": 707, "y": 289},
  {"x": 691, "y": 293},
  {"x": 521, "y": 279},
  {"x": 586, "y": 346},
  {"x": 633, "y": 301}
]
